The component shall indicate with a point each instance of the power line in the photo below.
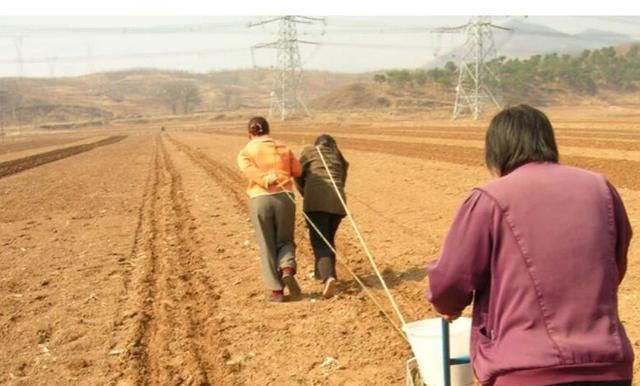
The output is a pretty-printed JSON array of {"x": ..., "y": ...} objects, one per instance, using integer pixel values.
[
  {"x": 51, "y": 62},
  {"x": 186, "y": 28},
  {"x": 386, "y": 46},
  {"x": 239, "y": 28},
  {"x": 478, "y": 82},
  {"x": 18, "y": 33},
  {"x": 90, "y": 66},
  {"x": 142, "y": 55},
  {"x": 614, "y": 19},
  {"x": 149, "y": 55},
  {"x": 286, "y": 93},
  {"x": 596, "y": 36},
  {"x": 17, "y": 42}
]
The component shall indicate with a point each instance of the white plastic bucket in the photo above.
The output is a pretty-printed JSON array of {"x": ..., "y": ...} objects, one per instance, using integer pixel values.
[{"x": 425, "y": 337}]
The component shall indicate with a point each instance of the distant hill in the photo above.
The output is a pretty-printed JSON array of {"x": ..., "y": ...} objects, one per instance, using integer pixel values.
[
  {"x": 526, "y": 39},
  {"x": 605, "y": 75},
  {"x": 361, "y": 95},
  {"x": 143, "y": 92},
  {"x": 373, "y": 96},
  {"x": 609, "y": 75}
]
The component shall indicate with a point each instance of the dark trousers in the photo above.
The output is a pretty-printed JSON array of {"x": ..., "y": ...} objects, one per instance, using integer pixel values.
[
  {"x": 599, "y": 383},
  {"x": 273, "y": 217},
  {"x": 325, "y": 259}
]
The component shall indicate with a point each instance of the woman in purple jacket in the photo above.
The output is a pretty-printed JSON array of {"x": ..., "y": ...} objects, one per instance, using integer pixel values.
[{"x": 541, "y": 250}]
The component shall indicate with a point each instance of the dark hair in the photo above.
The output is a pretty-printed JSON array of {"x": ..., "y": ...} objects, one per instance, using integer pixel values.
[
  {"x": 258, "y": 126},
  {"x": 328, "y": 141},
  {"x": 325, "y": 139},
  {"x": 519, "y": 135}
]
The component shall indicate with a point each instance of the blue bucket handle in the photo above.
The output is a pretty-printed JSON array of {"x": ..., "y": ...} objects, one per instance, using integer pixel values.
[{"x": 447, "y": 361}]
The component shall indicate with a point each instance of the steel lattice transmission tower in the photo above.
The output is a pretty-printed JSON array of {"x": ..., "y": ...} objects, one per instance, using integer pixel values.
[
  {"x": 478, "y": 81},
  {"x": 17, "y": 42},
  {"x": 286, "y": 94}
]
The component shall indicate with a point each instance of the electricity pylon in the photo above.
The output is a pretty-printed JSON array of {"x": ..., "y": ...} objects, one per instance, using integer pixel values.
[
  {"x": 287, "y": 90},
  {"x": 478, "y": 81},
  {"x": 90, "y": 65},
  {"x": 17, "y": 43}
]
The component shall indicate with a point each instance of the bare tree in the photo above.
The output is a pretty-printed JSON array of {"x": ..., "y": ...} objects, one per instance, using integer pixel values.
[
  {"x": 180, "y": 95},
  {"x": 2, "y": 133},
  {"x": 227, "y": 96},
  {"x": 10, "y": 99},
  {"x": 190, "y": 98}
]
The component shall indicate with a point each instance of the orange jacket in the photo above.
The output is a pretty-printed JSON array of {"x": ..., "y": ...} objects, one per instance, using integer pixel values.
[{"x": 264, "y": 155}]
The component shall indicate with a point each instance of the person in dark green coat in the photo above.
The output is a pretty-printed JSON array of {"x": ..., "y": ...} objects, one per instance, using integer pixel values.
[{"x": 322, "y": 204}]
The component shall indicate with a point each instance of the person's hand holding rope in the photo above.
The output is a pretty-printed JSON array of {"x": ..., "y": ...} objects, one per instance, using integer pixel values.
[
  {"x": 275, "y": 178},
  {"x": 269, "y": 179}
]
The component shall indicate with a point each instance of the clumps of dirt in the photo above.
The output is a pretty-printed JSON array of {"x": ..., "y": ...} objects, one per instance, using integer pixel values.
[{"x": 43, "y": 335}]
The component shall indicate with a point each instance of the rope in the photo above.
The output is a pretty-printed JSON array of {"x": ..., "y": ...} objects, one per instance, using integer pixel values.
[
  {"x": 355, "y": 276},
  {"x": 364, "y": 245},
  {"x": 338, "y": 256}
]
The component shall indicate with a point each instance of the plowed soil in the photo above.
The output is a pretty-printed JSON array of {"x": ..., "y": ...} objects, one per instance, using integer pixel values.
[
  {"x": 20, "y": 164},
  {"x": 135, "y": 263}
]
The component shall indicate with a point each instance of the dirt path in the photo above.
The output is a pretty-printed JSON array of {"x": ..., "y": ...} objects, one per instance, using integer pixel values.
[
  {"x": 166, "y": 335},
  {"x": 24, "y": 144},
  {"x": 20, "y": 164}
]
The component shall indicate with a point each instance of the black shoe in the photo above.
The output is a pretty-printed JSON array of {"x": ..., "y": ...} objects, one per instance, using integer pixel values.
[{"x": 292, "y": 284}]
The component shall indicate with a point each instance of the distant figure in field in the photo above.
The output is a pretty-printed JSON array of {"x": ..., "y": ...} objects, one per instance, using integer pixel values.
[
  {"x": 270, "y": 166},
  {"x": 541, "y": 251},
  {"x": 322, "y": 204}
]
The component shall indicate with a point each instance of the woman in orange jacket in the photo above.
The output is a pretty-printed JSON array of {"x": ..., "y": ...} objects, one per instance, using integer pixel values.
[{"x": 270, "y": 166}]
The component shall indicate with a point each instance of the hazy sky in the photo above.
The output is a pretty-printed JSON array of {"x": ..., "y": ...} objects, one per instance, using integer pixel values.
[{"x": 67, "y": 46}]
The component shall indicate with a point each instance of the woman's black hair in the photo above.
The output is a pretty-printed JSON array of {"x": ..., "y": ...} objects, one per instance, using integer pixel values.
[
  {"x": 519, "y": 135},
  {"x": 325, "y": 139},
  {"x": 328, "y": 141},
  {"x": 258, "y": 126}
]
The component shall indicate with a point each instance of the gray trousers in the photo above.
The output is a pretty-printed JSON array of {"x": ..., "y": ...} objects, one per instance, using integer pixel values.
[{"x": 273, "y": 218}]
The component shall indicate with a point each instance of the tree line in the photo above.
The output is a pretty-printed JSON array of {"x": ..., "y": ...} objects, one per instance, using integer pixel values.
[{"x": 585, "y": 73}]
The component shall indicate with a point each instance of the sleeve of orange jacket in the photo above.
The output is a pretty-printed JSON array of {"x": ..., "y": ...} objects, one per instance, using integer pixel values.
[
  {"x": 248, "y": 167},
  {"x": 304, "y": 165},
  {"x": 296, "y": 168}
]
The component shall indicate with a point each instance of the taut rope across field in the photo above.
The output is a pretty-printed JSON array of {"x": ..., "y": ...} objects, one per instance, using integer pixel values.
[
  {"x": 362, "y": 242},
  {"x": 367, "y": 252},
  {"x": 218, "y": 170}
]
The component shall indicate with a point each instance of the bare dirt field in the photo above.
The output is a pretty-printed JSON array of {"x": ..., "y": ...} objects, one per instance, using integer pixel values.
[{"x": 134, "y": 262}]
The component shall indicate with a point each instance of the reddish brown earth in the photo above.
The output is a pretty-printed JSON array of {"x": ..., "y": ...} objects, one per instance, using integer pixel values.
[
  {"x": 20, "y": 164},
  {"x": 17, "y": 143},
  {"x": 134, "y": 263}
]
